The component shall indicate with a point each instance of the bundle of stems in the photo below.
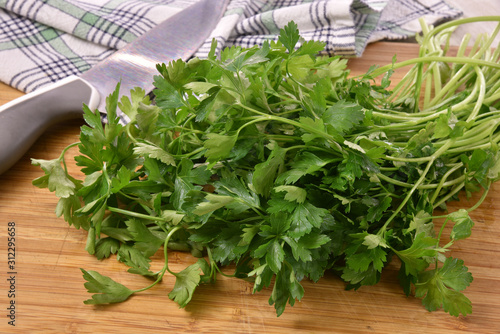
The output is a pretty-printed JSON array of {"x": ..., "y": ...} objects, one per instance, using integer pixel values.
[{"x": 458, "y": 88}]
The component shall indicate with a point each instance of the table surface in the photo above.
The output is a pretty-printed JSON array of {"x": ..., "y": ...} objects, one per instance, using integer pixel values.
[{"x": 49, "y": 284}]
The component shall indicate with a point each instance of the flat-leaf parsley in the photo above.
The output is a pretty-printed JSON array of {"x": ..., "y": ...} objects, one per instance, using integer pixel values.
[{"x": 275, "y": 160}]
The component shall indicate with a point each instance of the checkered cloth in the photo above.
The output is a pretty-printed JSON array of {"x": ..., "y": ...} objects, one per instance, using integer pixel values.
[{"x": 43, "y": 41}]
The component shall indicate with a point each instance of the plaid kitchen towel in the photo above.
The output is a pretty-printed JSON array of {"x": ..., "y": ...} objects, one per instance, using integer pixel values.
[{"x": 43, "y": 41}]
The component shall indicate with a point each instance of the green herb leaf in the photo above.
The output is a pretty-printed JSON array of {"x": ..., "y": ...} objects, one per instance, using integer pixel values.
[
  {"x": 441, "y": 288},
  {"x": 154, "y": 152},
  {"x": 265, "y": 172},
  {"x": 55, "y": 178},
  {"x": 289, "y": 36},
  {"x": 211, "y": 203},
  {"x": 463, "y": 224},
  {"x": 293, "y": 193},
  {"x": 219, "y": 146},
  {"x": 343, "y": 116},
  {"x": 105, "y": 247},
  {"x": 415, "y": 257},
  {"x": 104, "y": 288},
  {"x": 186, "y": 283}
]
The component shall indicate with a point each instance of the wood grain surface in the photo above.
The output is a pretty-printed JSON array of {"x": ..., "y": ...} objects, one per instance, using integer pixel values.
[{"x": 50, "y": 293}]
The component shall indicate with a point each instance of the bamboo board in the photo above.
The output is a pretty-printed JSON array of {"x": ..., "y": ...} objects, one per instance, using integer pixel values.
[{"x": 49, "y": 290}]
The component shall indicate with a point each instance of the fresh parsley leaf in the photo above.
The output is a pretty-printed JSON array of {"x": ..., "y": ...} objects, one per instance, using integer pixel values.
[
  {"x": 441, "y": 288},
  {"x": 265, "y": 172},
  {"x": 343, "y": 116},
  {"x": 211, "y": 203},
  {"x": 421, "y": 223},
  {"x": 130, "y": 105},
  {"x": 105, "y": 247},
  {"x": 299, "y": 67},
  {"x": 311, "y": 48},
  {"x": 463, "y": 224},
  {"x": 67, "y": 208},
  {"x": 55, "y": 178},
  {"x": 219, "y": 146},
  {"x": 416, "y": 257},
  {"x": 155, "y": 152},
  {"x": 166, "y": 94},
  {"x": 146, "y": 241},
  {"x": 304, "y": 218},
  {"x": 304, "y": 163},
  {"x": 293, "y": 193},
  {"x": 104, "y": 288},
  {"x": 186, "y": 282},
  {"x": 286, "y": 290},
  {"x": 289, "y": 36},
  {"x": 133, "y": 257}
]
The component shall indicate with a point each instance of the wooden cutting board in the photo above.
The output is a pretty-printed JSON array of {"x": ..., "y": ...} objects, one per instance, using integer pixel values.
[{"x": 49, "y": 290}]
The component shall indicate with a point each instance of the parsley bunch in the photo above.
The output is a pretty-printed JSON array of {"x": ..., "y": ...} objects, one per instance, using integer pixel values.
[{"x": 274, "y": 160}]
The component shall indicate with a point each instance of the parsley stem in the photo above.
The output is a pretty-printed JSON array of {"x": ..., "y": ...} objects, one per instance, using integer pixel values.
[
  {"x": 449, "y": 195},
  {"x": 255, "y": 120},
  {"x": 483, "y": 197},
  {"x": 128, "y": 128},
  {"x": 214, "y": 268},
  {"x": 417, "y": 184},
  {"x": 480, "y": 98},
  {"x": 188, "y": 154},
  {"x": 472, "y": 208},
  {"x": 407, "y": 197},
  {"x": 439, "y": 236},
  {"x": 455, "y": 23},
  {"x": 309, "y": 147},
  {"x": 165, "y": 266},
  {"x": 423, "y": 186},
  {"x": 63, "y": 153},
  {"x": 409, "y": 121},
  {"x": 429, "y": 59},
  {"x": 420, "y": 159},
  {"x": 475, "y": 146},
  {"x": 442, "y": 183},
  {"x": 127, "y": 196},
  {"x": 136, "y": 214},
  {"x": 452, "y": 84}
]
